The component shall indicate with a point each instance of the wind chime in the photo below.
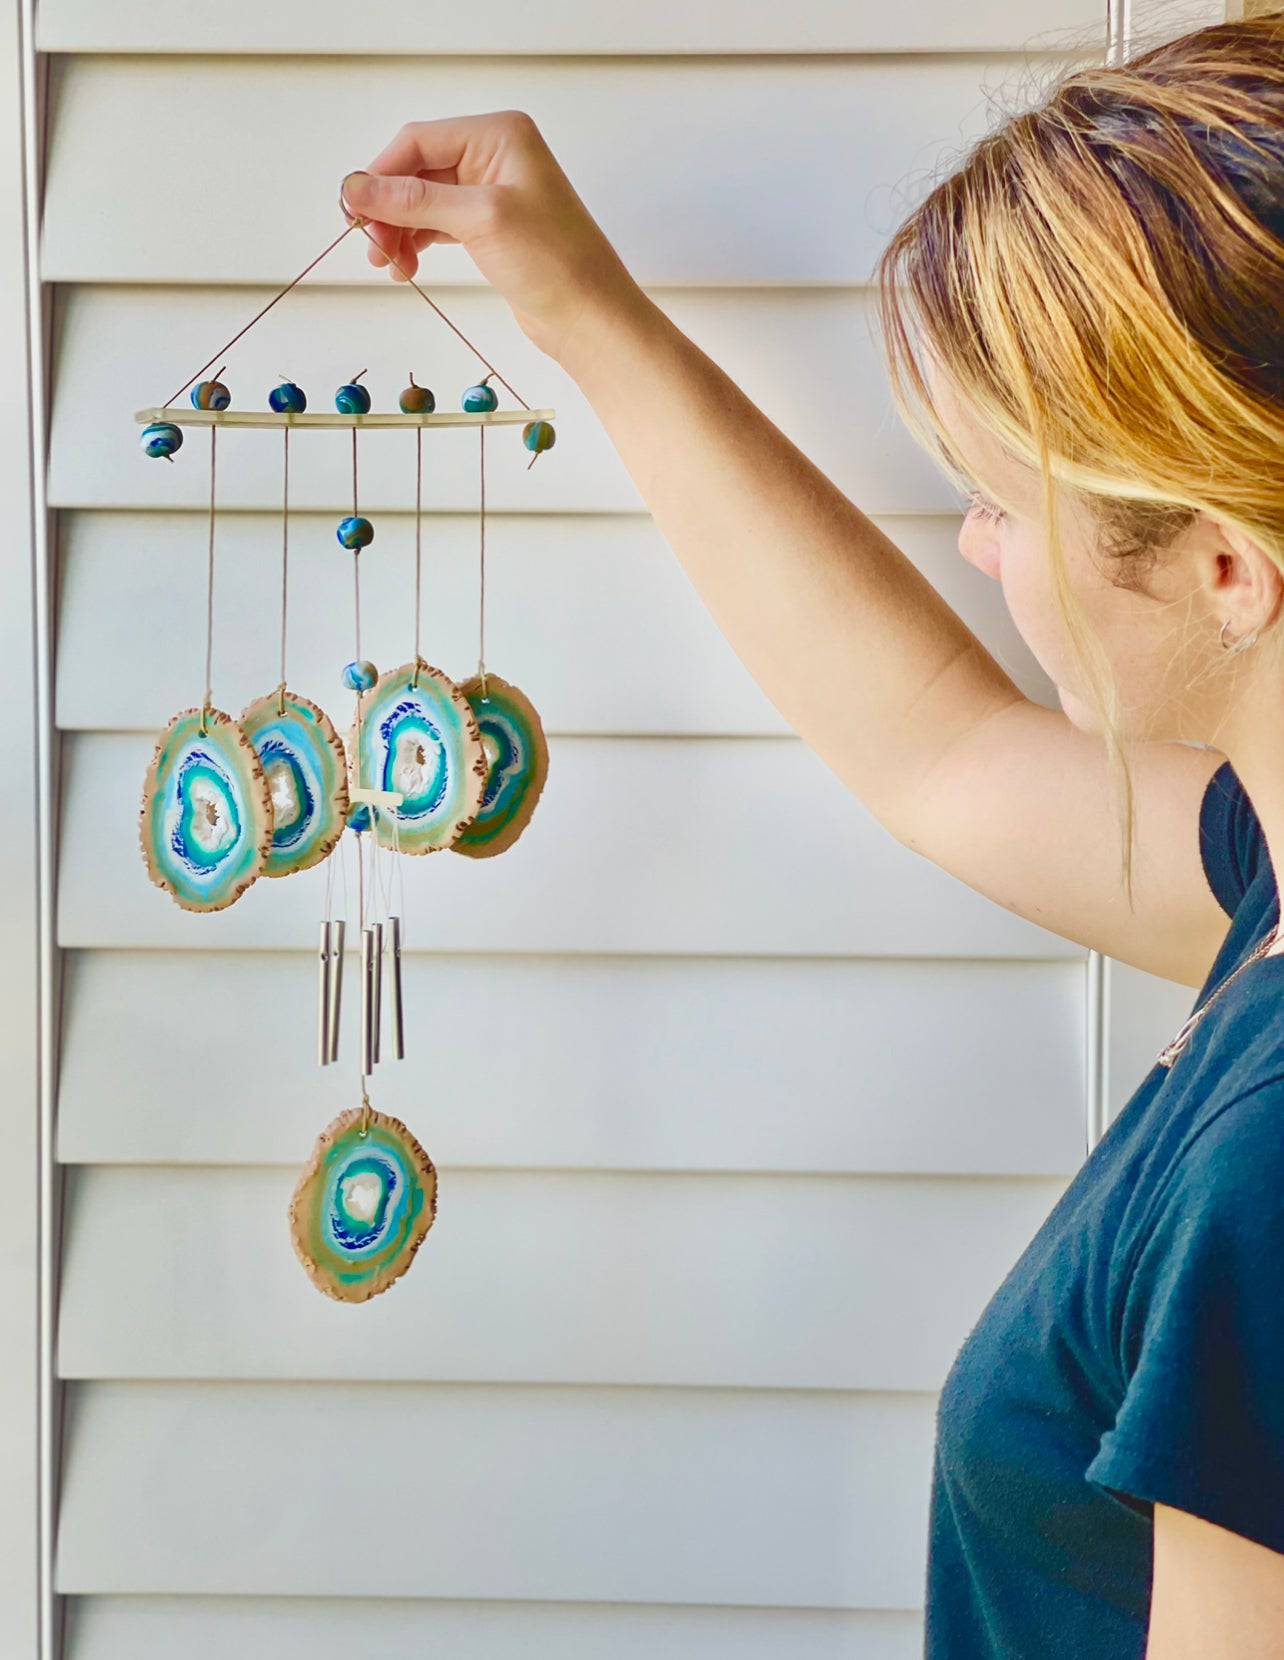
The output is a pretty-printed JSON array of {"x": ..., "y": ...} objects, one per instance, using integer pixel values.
[{"x": 430, "y": 765}]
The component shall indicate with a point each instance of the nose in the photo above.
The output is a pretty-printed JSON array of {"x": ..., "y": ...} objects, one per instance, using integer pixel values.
[{"x": 979, "y": 545}]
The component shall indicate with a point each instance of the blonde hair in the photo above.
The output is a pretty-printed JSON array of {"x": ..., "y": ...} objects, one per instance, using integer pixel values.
[{"x": 1102, "y": 282}]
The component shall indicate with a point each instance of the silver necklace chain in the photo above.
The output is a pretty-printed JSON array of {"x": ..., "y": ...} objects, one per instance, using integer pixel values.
[{"x": 1169, "y": 1053}]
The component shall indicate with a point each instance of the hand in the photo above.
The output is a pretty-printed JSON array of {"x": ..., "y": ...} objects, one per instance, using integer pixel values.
[{"x": 491, "y": 183}]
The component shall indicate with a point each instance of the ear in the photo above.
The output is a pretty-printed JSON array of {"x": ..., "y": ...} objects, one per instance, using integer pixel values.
[{"x": 1243, "y": 584}]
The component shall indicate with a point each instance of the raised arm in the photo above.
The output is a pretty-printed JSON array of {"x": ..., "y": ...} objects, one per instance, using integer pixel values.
[{"x": 846, "y": 637}]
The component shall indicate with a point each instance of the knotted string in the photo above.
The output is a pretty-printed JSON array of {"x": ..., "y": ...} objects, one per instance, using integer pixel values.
[{"x": 208, "y": 699}]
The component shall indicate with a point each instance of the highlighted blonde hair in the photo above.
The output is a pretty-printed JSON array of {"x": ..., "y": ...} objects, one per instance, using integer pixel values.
[{"x": 1102, "y": 283}]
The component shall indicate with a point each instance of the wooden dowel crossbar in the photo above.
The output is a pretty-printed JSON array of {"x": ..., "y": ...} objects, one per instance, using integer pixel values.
[{"x": 269, "y": 418}]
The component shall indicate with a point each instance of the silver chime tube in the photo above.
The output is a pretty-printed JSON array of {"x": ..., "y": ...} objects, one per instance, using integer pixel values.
[
  {"x": 367, "y": 1000},
  {"x": 323, "y": 996},
  {"x": 377, "y": 1016},
  {"x": 335, "y": 995},
  {"x": 398, "y": 1023}
]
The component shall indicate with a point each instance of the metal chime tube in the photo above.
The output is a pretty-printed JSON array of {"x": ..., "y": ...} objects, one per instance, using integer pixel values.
[
  {"x": 335, "y": 998},
  {"x": 323, "y": 996},
  {"x": 367, "y": 1000},
  {"x": 398, "y": 1021},
  {"x": 377, "y": 1017}
]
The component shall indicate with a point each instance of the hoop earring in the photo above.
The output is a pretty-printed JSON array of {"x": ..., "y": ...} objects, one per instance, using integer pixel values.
[{"x": 1241, "y": 644}]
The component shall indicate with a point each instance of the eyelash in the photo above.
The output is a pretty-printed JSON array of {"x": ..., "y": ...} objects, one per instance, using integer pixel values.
[{"x": 986, "y": 509}]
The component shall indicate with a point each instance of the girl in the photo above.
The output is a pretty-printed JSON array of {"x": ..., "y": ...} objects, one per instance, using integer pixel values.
[{"x": 1085, "y": 323}]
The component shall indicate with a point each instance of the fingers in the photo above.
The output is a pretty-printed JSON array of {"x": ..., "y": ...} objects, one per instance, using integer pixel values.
[
  {"x": 463, "y": 146},
  {"x": 407, "y": 201}
]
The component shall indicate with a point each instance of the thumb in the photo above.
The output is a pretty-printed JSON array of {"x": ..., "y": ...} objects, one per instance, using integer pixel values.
[{"x": 399, "y": 199}]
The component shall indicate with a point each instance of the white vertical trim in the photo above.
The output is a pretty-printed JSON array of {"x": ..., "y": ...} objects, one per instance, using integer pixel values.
[
  {"x": 28, "y": 1400},
  {"x": 1097, "y": 1040}
]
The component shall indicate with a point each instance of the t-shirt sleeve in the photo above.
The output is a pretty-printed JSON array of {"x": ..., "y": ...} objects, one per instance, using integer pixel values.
[
  {"x": 1201, "y": 1338},
  {"x": 1230, "y": 837}
]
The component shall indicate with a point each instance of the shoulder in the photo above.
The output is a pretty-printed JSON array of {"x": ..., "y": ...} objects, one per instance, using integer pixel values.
[{"x": 1220, "y": 1212}]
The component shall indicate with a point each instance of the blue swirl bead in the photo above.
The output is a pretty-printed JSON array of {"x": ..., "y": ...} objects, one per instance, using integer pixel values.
[
  {"x": 538, "y": 436},
  {"x": 287, "y": 399},
  {"x": 359, "y": 817},
  {"x": 478, "y": 400},
  {"x": 355, "y": 532},
  {"x": 161, "y": 438},
  {"x": 210, "y": 394},
  {"x": 352, "y": 400},
  {"x": 360, "y": 676}
]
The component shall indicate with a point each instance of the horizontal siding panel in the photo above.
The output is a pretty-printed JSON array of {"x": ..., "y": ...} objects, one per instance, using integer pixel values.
[
  {"x": 808, "y": 195},
  {"x": 620, "y": 1063},
  {"x": 550, "y": 1278},
  {"x": 655, "y": 845},
  {"x": 810, "y": 359},
  {"x": 572, "y": 26},
  {"x": 592, "y": 615},
  {"x": 207, "y": 1628},
  {"x": 559, "y": 1494}
]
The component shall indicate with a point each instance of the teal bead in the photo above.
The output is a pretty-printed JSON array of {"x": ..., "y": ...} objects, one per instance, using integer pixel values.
[
  {"x": 352, "y": 400},
  {"x": 287, "y": 399},
  {"x": 161, "y": 438},
  {"x": 210, "y": 394},
  {"x": 360, "y": 676},
  {"x": 416, "y": 400},
  {"x": 359, "y": 817},
  {"x": 479, "y": 400},
  {"x": 539, "y": 435},
  {"x": 355, "y": 532}
]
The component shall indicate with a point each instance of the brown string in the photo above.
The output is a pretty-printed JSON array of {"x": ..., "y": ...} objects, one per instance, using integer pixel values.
[
  {"x": 209, "y": 591},
  {"x": 419, "y": 503},
  {"x": 285, "y": 559},
  {"x": 360, "y": 224},
  {"x": 481, "y": 520},
  {"x": 354, "y": 224},
  {"x": 289, "y": 285}
]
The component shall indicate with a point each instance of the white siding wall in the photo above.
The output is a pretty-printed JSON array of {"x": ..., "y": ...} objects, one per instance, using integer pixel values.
[{"x": 774, "y": 1103}]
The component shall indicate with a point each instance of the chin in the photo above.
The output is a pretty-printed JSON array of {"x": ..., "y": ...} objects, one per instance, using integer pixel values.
[{"x": 1077, "y": 712}]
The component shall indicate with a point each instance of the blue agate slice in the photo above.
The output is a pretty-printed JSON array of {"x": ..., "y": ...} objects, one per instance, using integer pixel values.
[
  {"x": 417, "y": 735},
  {"x": 306, "y": 770},
  {"x": 205, "y": 825}
]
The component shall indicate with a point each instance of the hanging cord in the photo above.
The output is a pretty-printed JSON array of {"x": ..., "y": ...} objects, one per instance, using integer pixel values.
[
  {"x": 354, "y": 223},
  {"x": 285, "y": 561},
  {"x": 481, "y": 585},
  {"x": 419, "y": 508},
  {"x": 209, "y": 592},
  {"x": 289, "y": 285}
]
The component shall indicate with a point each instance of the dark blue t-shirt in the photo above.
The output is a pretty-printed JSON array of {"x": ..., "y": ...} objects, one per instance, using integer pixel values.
[{"x": 1135, "y": 1353}]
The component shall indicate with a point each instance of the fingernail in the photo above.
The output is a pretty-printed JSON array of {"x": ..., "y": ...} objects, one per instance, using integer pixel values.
[{"x": 356, "y": 188}]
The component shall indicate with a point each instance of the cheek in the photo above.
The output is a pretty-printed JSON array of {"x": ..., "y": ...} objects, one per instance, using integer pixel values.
[{"x": 1027, "y": 590}]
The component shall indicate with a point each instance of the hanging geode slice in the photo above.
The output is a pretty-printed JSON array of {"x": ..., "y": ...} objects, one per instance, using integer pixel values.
[
  {"x": 206, "y": 820},
  {"x": 362, "y": 1206},
  {"x": 306, "y": 769},
  {"x": 517, "y": 765},
  {"x": 421, "y": 740}
]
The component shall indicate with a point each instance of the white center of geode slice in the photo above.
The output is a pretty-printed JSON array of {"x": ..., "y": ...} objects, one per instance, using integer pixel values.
[
  {"x": 285, "y": 794},
  {"x": 410, "y": 768},
  {"x": 361, "y": 1196},
  {"x": 491, "y": 745},
  {"x": 211, "y": 825}
]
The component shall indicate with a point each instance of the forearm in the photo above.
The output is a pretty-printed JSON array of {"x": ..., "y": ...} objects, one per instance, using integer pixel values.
[{"x": 847, "y": 638}]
